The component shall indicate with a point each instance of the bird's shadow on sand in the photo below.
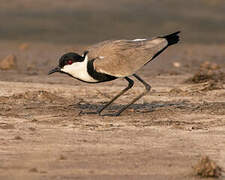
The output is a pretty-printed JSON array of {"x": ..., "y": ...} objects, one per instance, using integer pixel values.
[{"x": 146, "y": 107}]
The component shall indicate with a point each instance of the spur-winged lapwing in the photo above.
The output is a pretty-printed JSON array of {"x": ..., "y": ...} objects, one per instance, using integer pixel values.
[{"x": 114, "y": 59}]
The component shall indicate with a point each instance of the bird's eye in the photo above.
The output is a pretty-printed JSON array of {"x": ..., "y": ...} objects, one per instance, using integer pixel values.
[{"x": 69, "y": 62}]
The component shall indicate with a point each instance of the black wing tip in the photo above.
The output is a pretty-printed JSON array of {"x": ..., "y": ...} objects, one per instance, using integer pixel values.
[{"x": 172, "y": 38}]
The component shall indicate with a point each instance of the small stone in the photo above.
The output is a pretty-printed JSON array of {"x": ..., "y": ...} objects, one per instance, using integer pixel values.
[
  {"x": 24, "y": 46},
  {"x": 62, "y": 157},
  {"x": 8, "y": 62},
  {"x": 18, "y": 138},
  {"x": 176, "y": 64},
  {"x": 33, "y": 170},
  {"x": 32, "y": 128}
]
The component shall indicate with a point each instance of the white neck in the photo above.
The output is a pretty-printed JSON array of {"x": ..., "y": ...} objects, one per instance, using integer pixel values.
[{"x": 79, "y": 70}]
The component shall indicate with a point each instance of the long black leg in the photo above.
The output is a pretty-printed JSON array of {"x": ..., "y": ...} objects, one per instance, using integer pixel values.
[
  {"x": 130, "y": 85},
  {"x": 147, "y": 89}
]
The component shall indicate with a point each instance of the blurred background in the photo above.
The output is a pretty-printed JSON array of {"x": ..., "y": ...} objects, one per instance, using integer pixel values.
[
  {"x": 35, "y": 34},
  {"x": 88, "y": 21}
]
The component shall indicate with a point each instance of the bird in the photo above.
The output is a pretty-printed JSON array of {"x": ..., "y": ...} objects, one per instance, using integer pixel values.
[{"x": 113, "y": 59}]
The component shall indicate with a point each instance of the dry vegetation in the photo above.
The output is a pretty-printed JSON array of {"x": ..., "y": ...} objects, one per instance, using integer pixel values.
[{"x": 207, "y": 168}]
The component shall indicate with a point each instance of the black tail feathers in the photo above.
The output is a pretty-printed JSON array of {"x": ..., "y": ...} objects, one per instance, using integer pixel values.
[{"x": 172, "y": 38}]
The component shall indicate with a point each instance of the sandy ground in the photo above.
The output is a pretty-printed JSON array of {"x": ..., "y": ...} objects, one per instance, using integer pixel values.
[{"x": 162, "y": 136}]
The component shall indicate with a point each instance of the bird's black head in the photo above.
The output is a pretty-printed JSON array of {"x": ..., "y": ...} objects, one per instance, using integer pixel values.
[{"x": 68, "y": 59}]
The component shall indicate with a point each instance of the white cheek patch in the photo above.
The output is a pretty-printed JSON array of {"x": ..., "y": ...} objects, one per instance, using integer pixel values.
[
  {"x": 79, "y": 70},
  {"x": 139, "y": 39}
]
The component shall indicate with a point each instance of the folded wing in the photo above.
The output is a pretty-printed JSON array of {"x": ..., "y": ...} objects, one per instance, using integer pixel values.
[{"x": 123, "y": 58}]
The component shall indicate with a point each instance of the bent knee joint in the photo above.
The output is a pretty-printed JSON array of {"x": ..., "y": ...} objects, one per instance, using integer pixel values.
[
  {"x": 130, "y": 85},
  {"x": 147, "y": 87}
]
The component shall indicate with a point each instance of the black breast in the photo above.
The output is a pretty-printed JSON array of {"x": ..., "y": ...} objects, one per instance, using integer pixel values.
[{"x": 101, "y": 77}]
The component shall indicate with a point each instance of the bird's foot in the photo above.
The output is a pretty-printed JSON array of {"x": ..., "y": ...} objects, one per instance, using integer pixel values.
[
  {"x": 87, "y": 112},
  {"x": 99, "y": 113}
]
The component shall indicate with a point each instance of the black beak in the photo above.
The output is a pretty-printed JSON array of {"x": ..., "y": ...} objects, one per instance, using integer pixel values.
[{"x": 57, "y": 69}]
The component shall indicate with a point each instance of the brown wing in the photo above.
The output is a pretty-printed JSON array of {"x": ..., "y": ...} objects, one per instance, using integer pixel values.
[{"x": 122, "y": 58}]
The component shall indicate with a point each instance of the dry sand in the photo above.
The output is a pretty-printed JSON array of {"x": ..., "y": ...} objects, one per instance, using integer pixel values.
[{"x": 162, "y": 136}]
